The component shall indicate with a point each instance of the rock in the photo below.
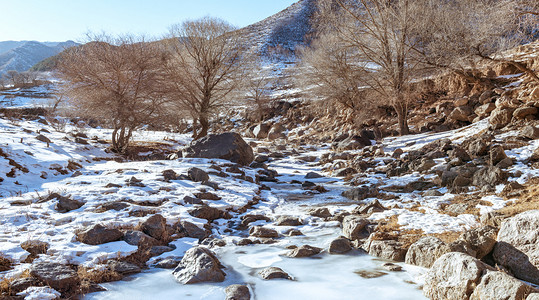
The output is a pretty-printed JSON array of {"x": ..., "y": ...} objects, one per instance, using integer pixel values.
[
  {"x": 313, "y": 175},
  {"x": 139, "y": 238},
  {"x": 397, "y": 153},
  {"x": 59, "y": 277},
  {"x": 458, "y": 153},
  {"x": 516, "y": 249},
  {"x": 169, "y": 175},
  {"x": 43, "y": 139},
  {"x": 340, "y": 246},
  {"x": 505, "y": 163},
  {"x": 197, "y": 175},
  {"x": 370, "y": 208},
  {"x": 392, "y": 267},
  {"x": 114, "y": 205},
  {"x": 322, "y": 212},
  {"x": 123, "y": 268},
  {"x": 453, "y": 276},
  {"x": 199, "y": 265},
  {"x": 35, "y": 247},
  {"x": 481, "y": 240},
  {"x": 274, "y": 273},
  {"x": 485, "y": 109},
  {"x": 237, "y": 292},
  {"x": 461, "y": 101},
  {"x": 522, "y": 112},
  {"x": 20, "y": 284},
  {"x": 263, "y": 232},
  {"x": 530, "y": 132},
  {"x": 304, "y": 251},
  {"x": 360, "y": 193},
  {"x": 158, "y": 250},
  {"x": 288, "y": 221},
  {"x": 386, "y": 249},
  {"x": 209, "y": 213},
  {"x": 500, "y": 117},
  {"x": 189, "y": 229},
  {"x": 478, "y": 147},
  {"x": 486, "y": 96},
  {"x": 426, "y": 251},
  {"x": 168, "y": 263},
  {"x": 65, "y": 204},
  {"x": 192, "y": 200},
  {"x": 353, "y": 143},
  {"x": 207, "y": 196},
  {"x": 432, "y": 193},
  {"x": 261, "y": 131},
  {"x": 489, "y": 177},
  {"x": 155, "y": 226},
  {"x": 497, "y": 154},
  {"x": 461, "y": 113},
  {"x": 99, "y": 234},
  {"x": 499, "y": 285},
  {"x": 353, "y": 227},
  {"x": 229, "y": 146}
]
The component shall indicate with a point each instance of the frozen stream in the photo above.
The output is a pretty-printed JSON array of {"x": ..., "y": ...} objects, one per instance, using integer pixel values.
[{"x": 323, "y": 276}]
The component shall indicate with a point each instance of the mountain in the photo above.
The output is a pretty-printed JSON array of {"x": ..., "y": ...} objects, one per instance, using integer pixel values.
[
  {"x": 283, "y": 32},
  {"x": 22, "y": 55}
]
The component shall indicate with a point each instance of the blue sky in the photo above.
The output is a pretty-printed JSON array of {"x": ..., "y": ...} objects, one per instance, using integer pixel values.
[{"x": 60, "y": 20}]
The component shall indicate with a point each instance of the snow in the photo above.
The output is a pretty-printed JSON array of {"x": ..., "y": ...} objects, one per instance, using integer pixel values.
[{"x": 39, "y": 293}]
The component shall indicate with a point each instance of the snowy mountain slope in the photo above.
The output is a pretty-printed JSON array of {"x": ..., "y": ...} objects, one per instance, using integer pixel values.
[{"x": 21, "y": 56}]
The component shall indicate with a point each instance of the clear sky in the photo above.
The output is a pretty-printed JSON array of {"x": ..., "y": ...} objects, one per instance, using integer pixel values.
[{"x": 61, "y": 20}]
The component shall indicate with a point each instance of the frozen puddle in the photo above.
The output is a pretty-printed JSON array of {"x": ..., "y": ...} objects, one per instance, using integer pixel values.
[{"x": 323, "y": 276}]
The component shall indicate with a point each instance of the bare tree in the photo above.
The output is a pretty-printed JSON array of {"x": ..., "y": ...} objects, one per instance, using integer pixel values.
[
  {"x": 458, "y": 35},
  {"x": 257, "y": 88},
  {"x": 204, "y": 68},
  {"x": 13, "y": 77},
  {"x": 332, "y": 71},
  {"x": 117, "y": 80},
  {"x": 378, "y": 34}
]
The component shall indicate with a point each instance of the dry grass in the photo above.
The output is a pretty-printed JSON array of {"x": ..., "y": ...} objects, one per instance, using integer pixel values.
[
  {"x": 447, "y": 236},
  {"x": 5, "y": 263},
  {"x": 528, "y": 200},
  {"x": 88, "y": 276}
]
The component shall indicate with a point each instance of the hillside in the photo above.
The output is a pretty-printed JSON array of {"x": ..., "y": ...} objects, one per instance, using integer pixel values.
[{"x": 21, "y": 56}]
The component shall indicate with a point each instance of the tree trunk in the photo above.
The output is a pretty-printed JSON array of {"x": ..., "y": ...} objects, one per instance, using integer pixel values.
[
  {"x": 204, "y": 126},
  {"x": 402, "y": 115}
]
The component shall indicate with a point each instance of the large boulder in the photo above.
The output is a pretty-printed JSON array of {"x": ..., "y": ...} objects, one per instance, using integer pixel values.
[
  {"x": 229, "y": 146},
  {"x": 530, "y": 132},
  {"x": 99, "y": 234},
  {"x": 304, "y": 251},
  {"x": 386, "y": 249},
  {"x": 517, "y": 248},
  {"x": 340, "y": 246},
  {"x": 462, "y": 113},
  {"x": 453, "y": 276},
  {"x": 501, "y": 117},
  {"x": 480, "y": 240},
  {"x": 263, "y": 232},
  {"x": 426, "y": 251},
  {"x": 58, "y": 276},
  {"x": 353, "y": 227},
  {"x": 274, "y": 273},
  {"x": 499, "y": 285},
  {"x": 199, "y": 265},
  {"x": 489, "y": 177}
]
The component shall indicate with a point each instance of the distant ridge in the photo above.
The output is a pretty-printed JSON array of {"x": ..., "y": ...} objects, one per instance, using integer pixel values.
[{"x": 22, "y": 55}]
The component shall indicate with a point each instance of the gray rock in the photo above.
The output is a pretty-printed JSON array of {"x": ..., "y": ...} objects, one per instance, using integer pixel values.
[
  {"x": 353, "y": 227},
  {"x": 489, "y": 177},
  {"x": 99, "y": 234},
  {"x": 392, "y": 267},
  {"x": 199, "y": 265},
  {"x": 168, "y": 263},
  {"x": 304, "y": 251},
  {"x": 139, "y": 238},
  {"x": 288, "y": 221},
  {"x": 340, "y": 246},
  {"x": 189, "y": 229},
  {"x": 229, "y": 146},
  {"x": 237, "y": 292},
  {"x": 426, "y": 251},
  {"x": 518, "y": 244},
  {"x": 499, "y": 285},
  {"x": 263, "y": 232},
  {"x": 386, "y": 249},
  {"x": 197, "y": 175},
  {"x": 123, "y": 268},
  {"x": 59, "y": 277},
  {"x": 481, "y": 240},
  {"x": 322, "y": 212},
  {"x": 209, "y": 213},
  {"x": 35, "y": 247},
  {"x": 20, "y": 284},
  {"x": 274, "y": 273},
  {"x": 169, "y": 174},
  {"x": 453, "y": 277},
  {"x": 360, "y": 193},
  {"x": 313, "y": 175}
]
